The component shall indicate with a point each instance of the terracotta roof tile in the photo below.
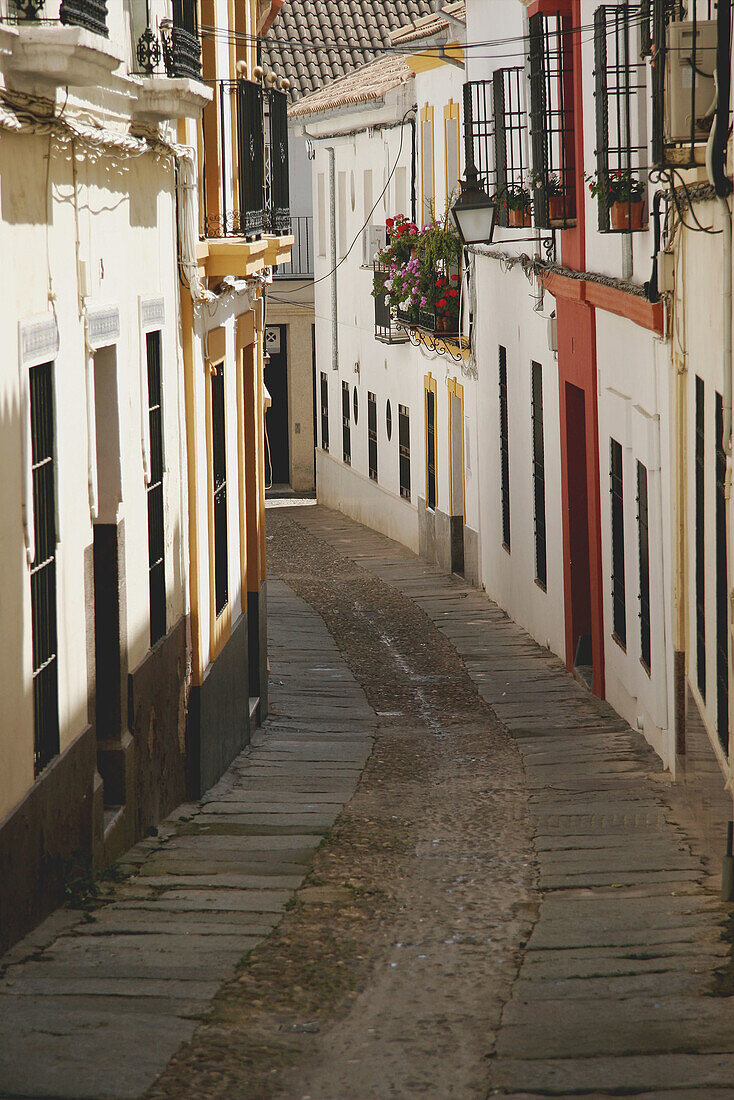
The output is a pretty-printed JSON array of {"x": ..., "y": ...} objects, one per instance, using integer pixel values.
[{"x": 371, "y": 81}]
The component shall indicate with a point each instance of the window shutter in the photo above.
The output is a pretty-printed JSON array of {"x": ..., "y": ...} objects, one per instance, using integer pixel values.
[
  {"x": 537, "y": 115},
  {"x": 500, "y": 142}
]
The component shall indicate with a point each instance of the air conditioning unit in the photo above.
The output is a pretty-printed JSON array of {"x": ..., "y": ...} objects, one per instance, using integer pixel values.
[
  {"x": 374, "y": 239},
  {"x": 682, "y": 98}
]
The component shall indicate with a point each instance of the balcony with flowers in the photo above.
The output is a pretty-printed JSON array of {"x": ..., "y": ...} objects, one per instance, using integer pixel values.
[{"x": 417, "y": 285}]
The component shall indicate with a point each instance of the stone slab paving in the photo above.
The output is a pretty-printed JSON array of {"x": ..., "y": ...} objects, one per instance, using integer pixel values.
[
  {"x": 616, "y": 993},
  {"x": 94, "y": 1003}
]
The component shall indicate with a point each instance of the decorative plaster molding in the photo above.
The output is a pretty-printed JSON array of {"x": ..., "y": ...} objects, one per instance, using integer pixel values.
[
  {"x": 152, "y": 313},
  {"x": 103, "y": 326},
  {"x": 38, "y": 340}
]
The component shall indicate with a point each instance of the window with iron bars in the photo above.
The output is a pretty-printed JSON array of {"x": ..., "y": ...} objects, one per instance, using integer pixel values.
[
  {"x": 43, "y": 570},
  {"x": 372, "y": 434},
  {"x": 511, "y": 147},
  {"x": 346, "y": 426},
  {"x": 324, "y": 412},
  {"x": 254, "y": 186},
  {"x": 156, "y": 541},
  {"x": 404, "y": 444},
  {"x": 219, "y": 482},
  {"x": 681, "y": 38},
  {"x": 552, "y": 120},
  {"x": 616, "y": 489},
  {"x": 619, "y": 90},
  {"x": 541, "y": 567},
  {"x": 643, "y": 545},
  {"x": 504, "y": 449},
  {"x": 430, "y": 449},
  {"x": 722, "y": 600},
  {"x": 699, "y": 491}
]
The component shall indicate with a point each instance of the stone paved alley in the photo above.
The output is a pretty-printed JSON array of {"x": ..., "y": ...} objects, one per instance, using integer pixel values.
[{"x": 442, "y": 869}]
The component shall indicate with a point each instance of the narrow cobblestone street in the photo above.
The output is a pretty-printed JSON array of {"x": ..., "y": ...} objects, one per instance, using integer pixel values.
[{"x": 441, "y": 869}]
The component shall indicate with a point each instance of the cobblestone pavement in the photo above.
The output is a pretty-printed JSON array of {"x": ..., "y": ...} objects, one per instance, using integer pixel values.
[{"x": 508, "y": 904}]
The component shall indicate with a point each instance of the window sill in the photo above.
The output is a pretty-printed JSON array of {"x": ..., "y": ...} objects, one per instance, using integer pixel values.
[
  {"x": 539, "y": 584},
  {"x": 622, "y": 645}
]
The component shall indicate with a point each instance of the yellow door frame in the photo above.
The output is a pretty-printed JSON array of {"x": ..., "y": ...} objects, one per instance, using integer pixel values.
[
  {"x": 220, "y": 626},
  {"x": 430, "y": 386},
  {"x": 451, "y": 116},
  {"x": 457, "y": 390},
  {"x": 427, "y": 116}
]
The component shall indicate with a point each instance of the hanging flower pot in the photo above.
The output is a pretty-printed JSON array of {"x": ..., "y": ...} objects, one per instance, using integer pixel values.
[
  {"x": 556, "y": 208},
  {"x": 519, "y": 218},
  {"x": 626, "y": 215}
]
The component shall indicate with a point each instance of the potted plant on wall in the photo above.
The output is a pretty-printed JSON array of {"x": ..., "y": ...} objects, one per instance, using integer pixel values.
[
  {"x": 623, "y": 195},
  {"x": 518, "y": 203},
  {"x": 559, "y": 201}
]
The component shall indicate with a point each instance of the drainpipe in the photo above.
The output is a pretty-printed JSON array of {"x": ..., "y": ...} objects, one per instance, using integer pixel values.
[
  {"x": 332, "y": 231},
  {"x": 413, "y": 170}
]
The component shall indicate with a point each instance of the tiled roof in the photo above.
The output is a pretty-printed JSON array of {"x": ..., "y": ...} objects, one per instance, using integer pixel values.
[
  {"x": 429, "y": 24},
  {"x": 314, "y": 42},
  {"x": 368, "y": 82}
]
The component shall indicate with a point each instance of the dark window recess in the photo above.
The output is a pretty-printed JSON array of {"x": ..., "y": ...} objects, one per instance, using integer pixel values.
[
  {"x": 346, "y": 426},
  {"x": 278, "y": 189},
  {"x": 156, "y": 546},
  {"x": 430, "y": 449},
  {"x": 244, "y": 99},
  {"x": 510, "y": 126},
  {"x": 619, "y": 90},
  {"x": 372, "y": 434},
  {"x": 219, "y": 477},
  {"x": 700, "y": 542},
  {"x": 552, "y": 119},
  {"x": 388, "y": 420},
  {"x": 619, "y": 610},
  {"x": 722, "y": 600},
  {"x": 541, "y": 570},
  {"x": 504, "y": 449},
  {"x": 43, "y": 570},
  {"x": 643, "y": 536},
  {"x": 404, "y": 444},
  {"x": 324, "y": 412}
]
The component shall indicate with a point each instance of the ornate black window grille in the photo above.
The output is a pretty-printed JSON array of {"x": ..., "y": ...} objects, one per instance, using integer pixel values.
[
  {"x": 404, "y": 447},
  {"x": 89, "y": 14},
  {"x": 324, "y": 412},
  {"x": 699, "y": 494},
  {"x": 479, "y": 130},
  {"x": 243, "y": 206},
  {"x": 430, "y": 449},
  {"x": 552, "y": 120},
  {"x": 510, "y": 141},
  {"x": 219, "y": 486},
  {"x": 619, "y": 90},
  {"x": 43, "y": 570},
  {"x": 388, "y": 330},
  {"x": 504, "y": 449},
  {"x": 178, "y": 45},
  {"x": 372, "y": 434},
  {"x": 681, "y": 104},
  {"x": 279, "y": 197},
  {"x": 541, "y": 568},
  {"x": 156, "y": 541},
  {"x": 722, "y": 600},
  {"x": 619, "y": 608},
  {"x": 643, "y": 545},
  {"x": 346, "y": 426}
]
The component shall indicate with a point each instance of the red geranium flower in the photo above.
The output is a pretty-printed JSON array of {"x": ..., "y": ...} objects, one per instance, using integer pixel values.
[
  {"x": 442, "y": 303},
  {"x": 453, "y": 293},
  {"x": 454, "y": 278}
]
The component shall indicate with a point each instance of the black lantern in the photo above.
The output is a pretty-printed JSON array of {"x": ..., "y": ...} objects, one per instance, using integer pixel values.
[{"x": 474, "y": 212}]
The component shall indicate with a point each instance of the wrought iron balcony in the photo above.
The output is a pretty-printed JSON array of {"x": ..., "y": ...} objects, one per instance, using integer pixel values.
[
  {"x": 300, "y": 265},
  {"x": 89, "y": 14},
  {"x": 388, "y": 329},
  {"x": 178, "y": 46}
]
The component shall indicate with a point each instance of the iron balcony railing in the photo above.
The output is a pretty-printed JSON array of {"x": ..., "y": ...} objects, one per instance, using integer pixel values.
[
  {"x": 89, "y": 14},
  {"x": 247, "y": 132},
  {"x": 178, "y": 48},
  {"x": 300, "y": 265}
]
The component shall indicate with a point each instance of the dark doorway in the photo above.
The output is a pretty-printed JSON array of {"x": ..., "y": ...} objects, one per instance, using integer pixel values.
[
  {"x": 578, "y": 521},
  {"x": 277, "y": 453}
]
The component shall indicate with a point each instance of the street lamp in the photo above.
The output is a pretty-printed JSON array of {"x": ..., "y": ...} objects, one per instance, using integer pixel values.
[{"x": 473, "y": 212}]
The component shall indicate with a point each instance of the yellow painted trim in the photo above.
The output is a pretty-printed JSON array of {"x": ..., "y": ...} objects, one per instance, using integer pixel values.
[
  {"x": 429, "y": 385},
  {"x": 427, "y": 116},
  {"x": 187, "y": 341},
  {"x": 278, "y": 250},
  {"x": 429, "y": 59},
  {"x": 220, "y": 626},
  {"x": 235, "y": 257},
  {"x": 249, "y": 380},
  {"x": 261, "y": 449},
  {"x": 451, "y": 114},
  {"x": 245, "y": 336},
  {"x": 457, "y": 390}
]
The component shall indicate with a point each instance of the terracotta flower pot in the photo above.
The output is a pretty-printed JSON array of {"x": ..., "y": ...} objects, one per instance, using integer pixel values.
[
  {"x": 519, "y": 218},
  {"x": 626, "y": 215},
  {"x": 557, "y": 208}
]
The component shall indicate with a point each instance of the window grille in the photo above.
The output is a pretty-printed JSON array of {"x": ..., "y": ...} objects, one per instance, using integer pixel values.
[
  {"x": 619, "y": 610},
  {"x": 681, "y": 115},
  {"x": 643, "y": 539},
  {"x": 219, "y": 478},
  {"x": 346, "y": 426},
  {"x": 619, "y": 89},
  {"x": 156, "y": 544},
  {"x": 43, "y": 570},
  {"x": 552, "y": 119},
  {"x": 430, "y": 449},
  {"x": 541, "y": 569},
  {"x": 387, "y": 329},
  {"x": 249, "y": 217},
  {"x": 279, "y": 197},
  {"x": 404, "y": 445},
  {"x": 504, "y": 449},
  {"x": 722, "y": 600},
  {"x": 479, "y": 130},
  {"x": 700, "y": 542},
  {"x": 510, "y": 137},
  {"x": 324, "y": 412},
  {"x": 372, "y": 434}
]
